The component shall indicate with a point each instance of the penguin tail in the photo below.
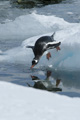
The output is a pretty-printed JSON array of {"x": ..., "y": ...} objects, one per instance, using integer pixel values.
[{"x": 53, "y": 35}]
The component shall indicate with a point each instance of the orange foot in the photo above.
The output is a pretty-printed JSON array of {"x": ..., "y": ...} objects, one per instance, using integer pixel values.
[
  {"x": 58, "y": 82},
  {"x": 48, "y": 74},
  {"x": 48, "y": 55},
  {"x": 58, "y": 48}
]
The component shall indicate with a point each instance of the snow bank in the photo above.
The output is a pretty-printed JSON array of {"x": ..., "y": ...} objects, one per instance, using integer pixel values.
[{"x": 22, "y": 103}]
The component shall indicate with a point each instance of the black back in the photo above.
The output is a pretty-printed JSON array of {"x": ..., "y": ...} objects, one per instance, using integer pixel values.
[{"x": 39, "y": 47}]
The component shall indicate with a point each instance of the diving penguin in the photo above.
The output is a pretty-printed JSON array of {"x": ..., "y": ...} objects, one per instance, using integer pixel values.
[{"x": 43, "y": 44}]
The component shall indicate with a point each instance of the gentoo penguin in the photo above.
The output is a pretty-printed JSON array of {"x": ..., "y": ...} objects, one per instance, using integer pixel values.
[{"x": 43, "y": 44}]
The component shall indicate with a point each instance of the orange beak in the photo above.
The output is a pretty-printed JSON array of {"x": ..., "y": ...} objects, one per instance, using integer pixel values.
[
  {"x": 32, "y": 66},
  {"x": 58, "y": 48}
]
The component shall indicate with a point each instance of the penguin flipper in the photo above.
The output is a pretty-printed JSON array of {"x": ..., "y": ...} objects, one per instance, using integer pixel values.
[{"x": 32, "y": 47}]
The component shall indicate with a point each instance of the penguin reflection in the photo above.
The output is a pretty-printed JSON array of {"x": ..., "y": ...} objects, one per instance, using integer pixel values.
[{"x": 45, "y": 84}]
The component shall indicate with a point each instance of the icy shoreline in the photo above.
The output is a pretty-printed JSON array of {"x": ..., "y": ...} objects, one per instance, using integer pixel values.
[{"x": 22, "y": 103}]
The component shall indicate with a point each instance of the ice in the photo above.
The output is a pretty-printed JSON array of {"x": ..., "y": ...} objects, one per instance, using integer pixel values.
[
  {"x": 17, "y": 102},
  {"x": 67, "y": 33},
  {"x": 31, "y": 24},
  {"x": 22, "y": 26}
]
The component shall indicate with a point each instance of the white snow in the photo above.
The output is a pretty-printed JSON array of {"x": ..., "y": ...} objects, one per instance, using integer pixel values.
[{"x": 22, "y": 103}]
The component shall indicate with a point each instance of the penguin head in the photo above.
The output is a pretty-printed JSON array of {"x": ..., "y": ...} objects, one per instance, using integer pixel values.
[{"x": 34, "y": 62}]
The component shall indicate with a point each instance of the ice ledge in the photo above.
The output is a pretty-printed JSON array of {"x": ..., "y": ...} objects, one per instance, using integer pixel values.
[{"x": 22, "y": 103}]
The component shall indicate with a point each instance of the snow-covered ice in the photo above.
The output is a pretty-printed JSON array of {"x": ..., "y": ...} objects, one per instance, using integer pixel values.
[{"x": 23, "y": 103}]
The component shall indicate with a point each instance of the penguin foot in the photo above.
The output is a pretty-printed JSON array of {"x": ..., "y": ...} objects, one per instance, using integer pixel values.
[
  {"x": 58, "y": 82},
  {"x": 48, "y": 55},
  {"x": 48, "y": 74},
  {"x": 58, "y": 48}
]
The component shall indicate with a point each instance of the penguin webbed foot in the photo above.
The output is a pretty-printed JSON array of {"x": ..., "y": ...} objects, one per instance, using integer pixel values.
[
  {"x": 48, "y": 55},
  {"x": 58, "y": 48},
  {"x": 58, "y": 82}
]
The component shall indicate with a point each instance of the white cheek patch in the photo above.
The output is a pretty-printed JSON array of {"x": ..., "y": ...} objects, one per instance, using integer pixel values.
[{"x": 36, "y": 61}]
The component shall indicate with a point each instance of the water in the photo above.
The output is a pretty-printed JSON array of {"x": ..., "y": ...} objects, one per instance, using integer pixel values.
[{"x": 22, "y": 27}]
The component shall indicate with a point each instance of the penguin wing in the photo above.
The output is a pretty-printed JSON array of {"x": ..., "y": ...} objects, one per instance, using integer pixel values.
[{"x": 32, "y": 47}]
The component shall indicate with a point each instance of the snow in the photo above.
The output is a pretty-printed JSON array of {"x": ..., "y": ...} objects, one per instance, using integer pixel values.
[{"x": 23, "y": 103}]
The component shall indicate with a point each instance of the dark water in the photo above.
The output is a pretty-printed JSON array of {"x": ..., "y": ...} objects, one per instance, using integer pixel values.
[
  {"x": 62, "y": 82},
  {"x": 50, "y": 79}
]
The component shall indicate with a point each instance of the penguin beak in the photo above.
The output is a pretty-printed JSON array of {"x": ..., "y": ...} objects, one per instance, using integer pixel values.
[{"x": 32, "y": 66}]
